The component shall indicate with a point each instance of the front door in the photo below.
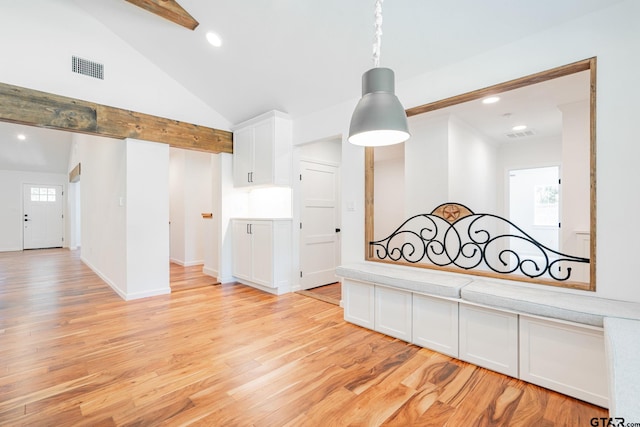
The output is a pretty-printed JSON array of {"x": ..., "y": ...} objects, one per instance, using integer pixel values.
[
  {"x": 319, "y": 250},
  {"x": 43, "y": 220}
]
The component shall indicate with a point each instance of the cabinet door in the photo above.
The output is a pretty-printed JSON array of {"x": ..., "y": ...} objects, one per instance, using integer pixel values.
[
  {"x": 489, "y": 338},
  {"x": 435, "y": 324},
  {"x": 566, "y": 358},
  {"x": 262, "y": 253},
  {"x": 358, "y": 299},
  {"x": 241, "y": 250},
  {"x": 242, "y": 157},
  {"x": 393, "y": 312},
  {"x": 263, "y": 146}
]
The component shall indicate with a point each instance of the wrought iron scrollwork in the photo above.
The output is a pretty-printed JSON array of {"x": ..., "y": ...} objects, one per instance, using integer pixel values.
[{"x": 452, "y": 235}]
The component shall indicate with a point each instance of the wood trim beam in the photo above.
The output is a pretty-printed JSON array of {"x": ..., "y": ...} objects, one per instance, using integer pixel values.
[
  {"x": 41, "y": 109},
  {"x": 540, "y": 77},
  {"x": 168, "y": 9},
  {"x": 74, "y": 175}
]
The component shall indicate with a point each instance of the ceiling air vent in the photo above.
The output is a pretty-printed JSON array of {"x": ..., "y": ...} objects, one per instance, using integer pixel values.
[
  {"x": 86, "y": 67},
  {"x": 520, "y": 134}
]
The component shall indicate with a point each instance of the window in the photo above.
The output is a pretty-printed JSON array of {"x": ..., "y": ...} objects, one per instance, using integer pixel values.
[
  {"x": 546, "y": 206},
  {"x": 43, "y": 194}
]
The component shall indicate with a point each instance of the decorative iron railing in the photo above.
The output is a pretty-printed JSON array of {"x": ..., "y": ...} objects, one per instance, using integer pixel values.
[{"x": 452, "y": 235}]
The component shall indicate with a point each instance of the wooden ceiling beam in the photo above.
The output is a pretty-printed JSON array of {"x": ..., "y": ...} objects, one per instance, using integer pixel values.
[
  {"x": 168, "y": 9},
  {"x": 41, "y": 109}
]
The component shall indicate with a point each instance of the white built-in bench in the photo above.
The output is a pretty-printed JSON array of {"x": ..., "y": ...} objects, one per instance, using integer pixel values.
[
  {"x": 622, "y": 343},
  {"x": 544, "y": 336}
]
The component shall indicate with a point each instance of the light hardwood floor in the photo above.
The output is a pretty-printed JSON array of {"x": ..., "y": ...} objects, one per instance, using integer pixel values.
[{"x": 73, "y": 353}]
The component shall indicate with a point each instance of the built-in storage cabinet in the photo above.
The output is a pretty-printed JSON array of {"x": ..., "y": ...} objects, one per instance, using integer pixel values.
[
  {"x": 262, "y": 151},
  {"x": 358, "y": 299},
  {"x": 435, "y": 324},
  {"x": 262, "y": 253},
  {"x": 393, "y": 312},
  {"x": 489, "y": 338},
  {"x": 564, "y": 357}
]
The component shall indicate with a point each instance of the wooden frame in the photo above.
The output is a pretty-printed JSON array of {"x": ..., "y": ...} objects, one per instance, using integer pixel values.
[
  {"x": 41, "y": 109},
  {"x": 584, "y": 65}
]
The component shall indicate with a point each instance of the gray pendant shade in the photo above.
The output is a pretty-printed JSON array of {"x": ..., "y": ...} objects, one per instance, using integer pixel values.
[{"x": 379, "y": 118}]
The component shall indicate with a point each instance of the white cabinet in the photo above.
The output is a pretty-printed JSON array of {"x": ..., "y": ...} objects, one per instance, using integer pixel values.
[
  {"x": 489, "y": 338},
  {"x": 435, "y": 324},
  {"x": 358, "y": 299},
  {"x": 564, "y": 357},
  {"x": 393, "y": 312},
  {"x": 262, "y": 253},
  {"x": 262, "y": 151}
]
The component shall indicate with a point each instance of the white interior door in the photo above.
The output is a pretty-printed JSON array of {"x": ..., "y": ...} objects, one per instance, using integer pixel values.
[
  {"x": 319, "y": 243},
  {"x": 43, "y": 220}
]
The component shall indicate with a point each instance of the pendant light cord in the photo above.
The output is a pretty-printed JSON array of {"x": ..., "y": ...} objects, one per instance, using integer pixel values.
[{"x": 377, "y": 39}]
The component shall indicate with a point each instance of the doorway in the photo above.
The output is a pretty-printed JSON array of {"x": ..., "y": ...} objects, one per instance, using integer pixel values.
[
  {"x": 319, "y": 212},
  {"x": 318, "y": 224},
  {"x": 534, "y": 204},
  {"x": 43, "y": 216}
]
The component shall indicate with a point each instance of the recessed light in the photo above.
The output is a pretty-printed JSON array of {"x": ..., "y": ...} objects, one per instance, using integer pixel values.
[
  {"x": 214, "y": 39},
  {"x": 491, "y": 100},
  {"x": 22, "y": 136},
  {"x": 519, "y": 127}
]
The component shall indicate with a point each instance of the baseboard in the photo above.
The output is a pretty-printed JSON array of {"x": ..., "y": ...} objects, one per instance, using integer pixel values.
[
  {"x": 186, "y": 263},
  {"x": 104, "y": 278},
  {"x": 210, "y": 272},
  {"x": 10, "y": 249},
  {"x": 150, "y": 293}
]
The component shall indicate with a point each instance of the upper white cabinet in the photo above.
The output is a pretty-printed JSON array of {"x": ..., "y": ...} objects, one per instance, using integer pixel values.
[{"x": 262, "y": 151}]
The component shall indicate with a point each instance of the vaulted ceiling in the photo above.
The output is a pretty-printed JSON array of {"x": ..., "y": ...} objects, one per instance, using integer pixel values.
[{"x": 301, "y": 56}]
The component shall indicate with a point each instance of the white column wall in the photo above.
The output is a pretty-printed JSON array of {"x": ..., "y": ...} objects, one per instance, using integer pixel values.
[{"x": 147, "y": 219}]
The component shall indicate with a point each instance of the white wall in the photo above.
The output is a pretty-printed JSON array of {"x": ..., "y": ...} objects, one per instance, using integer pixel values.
[
  {"x": 177, "y": 165},
  {"x": 575, "y": 174},
  {"x": 472, "y": 166},
  {"x": 11, "y": 208},
  {"x": 389, "y": 192},
  {"x": 612, "y": 36},
  {"x": 103, "y": 210},
  {"x": 426, "y": 156}
]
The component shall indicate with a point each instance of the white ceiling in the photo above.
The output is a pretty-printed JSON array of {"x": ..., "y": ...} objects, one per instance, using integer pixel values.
[
  {"x": 43, "y": 150},
  {"x": 300, "y": 56}
]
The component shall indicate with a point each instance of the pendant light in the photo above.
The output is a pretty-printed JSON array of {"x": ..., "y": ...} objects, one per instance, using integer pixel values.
[{"x": 379, "y": 118}]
